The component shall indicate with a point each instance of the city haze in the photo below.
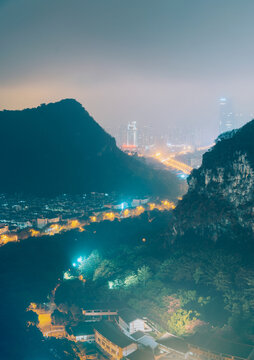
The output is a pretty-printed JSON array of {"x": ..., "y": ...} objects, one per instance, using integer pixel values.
[{"x": 164, "y": 64}]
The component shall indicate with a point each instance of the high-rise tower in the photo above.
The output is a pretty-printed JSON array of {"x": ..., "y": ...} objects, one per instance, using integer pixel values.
[
  {"x": 227, "y": 118},
  {"x": 132, "y": 134}
]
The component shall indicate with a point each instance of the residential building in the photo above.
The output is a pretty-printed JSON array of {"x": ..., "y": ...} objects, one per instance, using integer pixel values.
[
  {"x": 81, "y": 332},
  {"x": 173, "y": 345},
  {"x": 137, "y": 202},
  {"x": 140, "y": 354},
  {"x": 205, "y": 347},
  {"x": 144, "y": 339},
  {"x": 130, "y": 323},
  {"x": 53, "y": 220},
  {"x": 112, "y": 341},
  {"x": 41, "y": 223}
]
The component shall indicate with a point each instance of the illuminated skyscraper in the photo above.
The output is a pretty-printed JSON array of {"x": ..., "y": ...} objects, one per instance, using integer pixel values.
[
  {"x": 227, "y": 118},
  {"x": 146, "y": 136},
  {"x": 132, "y": 134}
]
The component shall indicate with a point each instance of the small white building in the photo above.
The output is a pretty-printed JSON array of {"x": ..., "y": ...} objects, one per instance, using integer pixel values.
[
  {"x": 130, "y": 323},
  {"x": 138, "y": 202},
  {"x": 53, "y": 220}
]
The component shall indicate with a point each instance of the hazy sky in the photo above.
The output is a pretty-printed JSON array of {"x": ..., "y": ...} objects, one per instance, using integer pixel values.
[{"x": 164, "y": 62}]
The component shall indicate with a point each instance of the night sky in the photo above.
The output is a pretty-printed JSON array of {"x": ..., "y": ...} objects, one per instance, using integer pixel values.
[{"x": 165, "y": 62}]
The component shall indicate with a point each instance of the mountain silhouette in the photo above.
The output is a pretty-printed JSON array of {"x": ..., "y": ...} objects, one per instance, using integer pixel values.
[{"x": 59, "y": 148}]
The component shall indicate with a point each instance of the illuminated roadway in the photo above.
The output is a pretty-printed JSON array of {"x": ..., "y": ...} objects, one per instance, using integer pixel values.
[
  {"x": 177, "y": 165},
  {"x": 174, "y": 164}
]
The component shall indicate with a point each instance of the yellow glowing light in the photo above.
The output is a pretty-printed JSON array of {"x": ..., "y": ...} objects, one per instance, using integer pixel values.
[
  {"x": 32, "y": 306},
  {"x": 109, "y": 216},
  {"x": 73, "y": 224},
  {"x": 138, "y": 211},
  {"x": 126, "y": 212},
  {"x": 54, "y": 229},
  {"x": 34, "y": 233},
  {"x": 151, "y": 206},
  {"x": 167, "y": 205},
  {"x": 4, "y": 239}
]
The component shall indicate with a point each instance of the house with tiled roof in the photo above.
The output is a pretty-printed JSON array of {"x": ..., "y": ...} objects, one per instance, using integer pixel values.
[
  {"x": 81, "y": 332},
  {"x": 144, "y": 339},
  {"x": 115, "y": 344},
  {"x": 141, "y": 354},
  {"x": 203, "y": 346}
]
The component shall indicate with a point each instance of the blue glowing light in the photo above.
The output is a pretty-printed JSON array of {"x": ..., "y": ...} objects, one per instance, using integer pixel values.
[
  {"x": 79, "y": 260},
  {"x": 182, "y": 176},
  {"x": 74, "y": 264}
]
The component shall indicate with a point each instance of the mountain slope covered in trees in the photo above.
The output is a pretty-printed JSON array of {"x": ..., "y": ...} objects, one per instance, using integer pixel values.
[{"x": 59, "y": 148}]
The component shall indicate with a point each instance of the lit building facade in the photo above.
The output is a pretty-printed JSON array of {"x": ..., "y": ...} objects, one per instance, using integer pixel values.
[
  {"x": 112, "y": 341},
  {"x": 227, "y": 117},
  {"x": 132, "y": 139}
]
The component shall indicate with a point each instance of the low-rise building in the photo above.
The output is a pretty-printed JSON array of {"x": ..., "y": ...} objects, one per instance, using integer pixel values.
[
  {"x": 173, "y": 345},
  {"x": 138, "y": 202},
  {"x": 99, "y": 311},
  {"x": 41, "y": 222},
  {"x": 112, "y": 341},
  {"x": 130, "y": 322},
  {"x": 204, "y": 347},
  {"x": 145, "y": 339},
  {"x": 81, "y": 332},
  {"x": 140, "y": 354},
  {"x": 53, "y": 220}
]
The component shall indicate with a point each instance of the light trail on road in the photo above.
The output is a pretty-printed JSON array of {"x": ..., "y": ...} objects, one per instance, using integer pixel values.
[
  {"x": 177, "y": 165},
  {"x": 173, "y": 163}
]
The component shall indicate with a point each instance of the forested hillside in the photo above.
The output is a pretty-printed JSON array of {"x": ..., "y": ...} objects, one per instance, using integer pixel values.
[{"x": 59, "y": 148}]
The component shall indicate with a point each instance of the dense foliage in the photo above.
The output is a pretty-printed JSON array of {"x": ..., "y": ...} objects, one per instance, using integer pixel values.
[{"x": 179, "y": 290}]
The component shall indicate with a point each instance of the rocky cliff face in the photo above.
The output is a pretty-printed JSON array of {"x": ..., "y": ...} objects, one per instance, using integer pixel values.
[{"x": 219, "y": 204}]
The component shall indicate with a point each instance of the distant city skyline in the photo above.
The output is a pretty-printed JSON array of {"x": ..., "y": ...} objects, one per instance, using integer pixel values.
[
  {"x": 148, "y": 134},
  {"x": 162, "y": 63}
]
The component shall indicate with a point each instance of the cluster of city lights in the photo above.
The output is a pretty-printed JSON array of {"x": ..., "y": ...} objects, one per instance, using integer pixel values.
[{"x": 122, "y": 212}]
